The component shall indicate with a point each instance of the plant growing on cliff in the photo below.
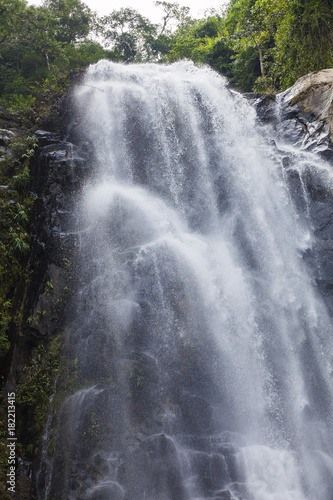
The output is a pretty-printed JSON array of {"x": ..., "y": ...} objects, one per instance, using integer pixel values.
[
  {"x": 36, "y": 388},
  {"x": 15, "y": 203}
]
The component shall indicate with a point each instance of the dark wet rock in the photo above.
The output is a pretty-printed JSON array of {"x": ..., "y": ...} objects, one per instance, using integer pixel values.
[
  {"x": 8, "y": 120},
  {"x": 266, "y": 108},
  {"x": 306, "y": 112},
  {"x": 212, "y": 469},
  {"x": 196, "y": 414},
  {"x": 105, "y": 491},
  {"x": 154, "y": 467},
  {"x": 24, "y": 476},
  {"x": 45, "y": 138},
  {"x": 302, "y": 117},
  {"x": 55, "y": 177},
  {"x": 45, "y": 318},
  {"x": 320, "y": 209},
  {"x": 303, "y": 113},
  {"x": 224, "y": 495},
  {"x": 6, "y": 136}
]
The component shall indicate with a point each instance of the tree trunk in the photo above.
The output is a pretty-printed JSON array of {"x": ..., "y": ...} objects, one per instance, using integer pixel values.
[
  {"x": 260, "y": 59},
  {"x": 47, "y": 61}
]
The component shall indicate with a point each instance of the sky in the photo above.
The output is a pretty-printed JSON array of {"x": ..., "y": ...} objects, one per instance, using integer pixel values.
[{"x": 146, "y": 7}]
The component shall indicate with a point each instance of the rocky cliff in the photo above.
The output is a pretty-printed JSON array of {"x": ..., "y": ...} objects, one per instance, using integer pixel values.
[
  {"x": 302, "y": 118},
  {"x": 303, "y": 113},
  {"x": 39, "y": 299}
]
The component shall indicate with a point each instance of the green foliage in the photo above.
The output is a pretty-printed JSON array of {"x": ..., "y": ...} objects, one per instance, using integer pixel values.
[
  {"x": 22, "y": 148},
  {"x": 221, "y": 56},
  {"x": 193, "y": 41},
  {"x": 81, "y": 55},
  {"x": 264, "y": 84},
  {"x": 303, "y": 40},
  {"x": 15, "y": 204},
  {"x": 36, "y": 388},
  {"x": 39, "y": 43},
  {"x": 258, "y": 44},
  {"x": 294, "y": 36},
  {"x": 71, "y": 19},
  {"x": 5, "y": 308},
  {"x": 18, "y": 103},
  {"x": 174, "y": 14},
  {"x": 245, "y": 68},
  {"x": 263, "y": 45},
  {"x": 129, "y": 35}
]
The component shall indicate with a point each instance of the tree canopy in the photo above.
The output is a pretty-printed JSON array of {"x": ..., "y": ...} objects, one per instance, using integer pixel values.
[{"x": 263, "y": 45}]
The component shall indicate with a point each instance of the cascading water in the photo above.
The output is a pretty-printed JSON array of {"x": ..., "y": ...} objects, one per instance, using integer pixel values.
[{"x": 203, "y": 348}]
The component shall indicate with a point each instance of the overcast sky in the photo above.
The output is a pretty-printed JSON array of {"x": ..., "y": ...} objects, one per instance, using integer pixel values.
[{"x": 146, "y": 7}]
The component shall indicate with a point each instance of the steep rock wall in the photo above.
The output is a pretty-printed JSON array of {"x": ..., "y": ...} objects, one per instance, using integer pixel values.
[
  {"x": 33, "y": 363},
  {"x": 303, "y": 113},
  {"x": 302, "y": 118}
]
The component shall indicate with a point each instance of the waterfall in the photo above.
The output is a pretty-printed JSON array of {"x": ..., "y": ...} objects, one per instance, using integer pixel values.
[{"x": 202, "y": 345}]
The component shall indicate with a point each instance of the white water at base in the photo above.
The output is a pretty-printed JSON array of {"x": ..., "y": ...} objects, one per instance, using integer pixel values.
[
  {"x": 272, "y": 474},
  {"x": 188, "y": 223}
]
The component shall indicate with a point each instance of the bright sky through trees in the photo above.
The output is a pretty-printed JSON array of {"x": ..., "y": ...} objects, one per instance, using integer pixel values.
[{"x": 146, "y": 7}]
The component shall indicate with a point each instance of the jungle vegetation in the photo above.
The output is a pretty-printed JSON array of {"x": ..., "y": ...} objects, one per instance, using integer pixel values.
[{"x": 258, "y": 44}]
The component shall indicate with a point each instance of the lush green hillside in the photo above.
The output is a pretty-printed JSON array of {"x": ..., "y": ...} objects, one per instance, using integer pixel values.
[{"x": 257, "y": 43}]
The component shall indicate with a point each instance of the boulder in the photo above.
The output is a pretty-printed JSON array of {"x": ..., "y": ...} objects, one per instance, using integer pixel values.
[
  {"x": 6, "y": 136},
  {"x": 303, "y": 114},
  {"x": 308, "y": 106},
  {"x": 314, "y": 93}
]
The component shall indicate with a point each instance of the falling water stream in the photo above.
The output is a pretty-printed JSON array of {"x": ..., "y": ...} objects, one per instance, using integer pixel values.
[{"x": 203, "y": 348}]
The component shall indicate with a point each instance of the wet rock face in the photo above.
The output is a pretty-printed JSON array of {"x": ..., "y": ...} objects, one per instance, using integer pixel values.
[
  {"x": 303, "y": 113},
  {"x": 6, "y": 136},
  {"x": 302, "y": 117},
  {"x": 57, "y": 173},
  {"x": 10, "y": 128},
  {"x": 320, "y": 209},
  {"x": 8, "y": 120},
  {"x": 157, "y": 470},
  {"x": 313, "y": 93}
]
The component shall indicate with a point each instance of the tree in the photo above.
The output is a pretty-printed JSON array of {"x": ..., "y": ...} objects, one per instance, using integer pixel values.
[
  {"x": 251, "y": 37},
  {"x": 129, "y": 34},
  {"x": 25, "y": 45},
  {"x": 70, "y": 20},
  {"x": 304, "y": 39},
  {"x": 195, "y": 41},
  {"x": 173, "y": 12}
]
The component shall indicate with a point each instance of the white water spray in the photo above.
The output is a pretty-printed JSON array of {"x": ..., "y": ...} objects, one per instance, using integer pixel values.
[{"x": 215, "y": 345}]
